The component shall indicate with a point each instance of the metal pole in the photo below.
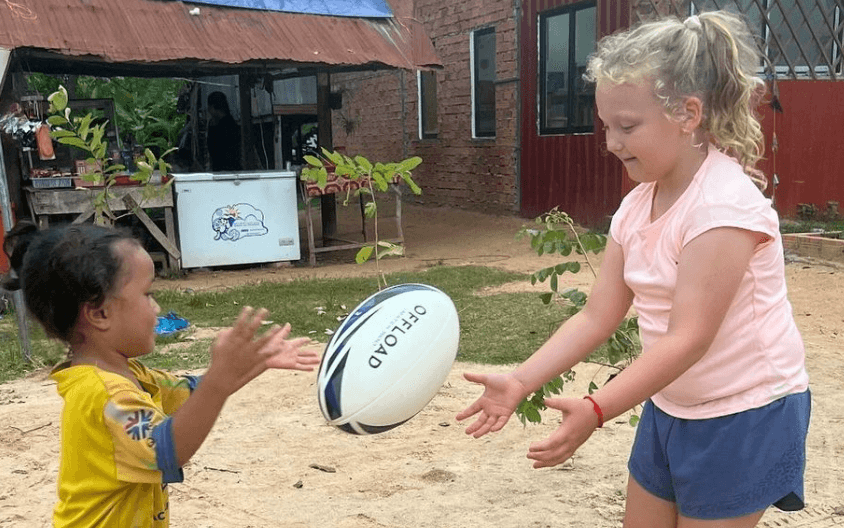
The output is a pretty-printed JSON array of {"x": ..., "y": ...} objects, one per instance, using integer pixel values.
[{"x": 8, "y": 223}]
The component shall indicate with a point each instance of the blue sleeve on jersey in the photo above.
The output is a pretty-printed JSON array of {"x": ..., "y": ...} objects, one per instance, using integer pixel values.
[
  {"x": 193, "y": 381},
  {"x": 165, "y": 452}
]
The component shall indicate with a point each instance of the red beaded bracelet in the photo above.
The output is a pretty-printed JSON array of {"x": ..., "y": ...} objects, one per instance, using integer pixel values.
[{"x": 598, "y": 411}]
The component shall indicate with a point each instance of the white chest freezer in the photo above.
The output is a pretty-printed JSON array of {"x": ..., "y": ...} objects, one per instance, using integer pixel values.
[{"x": 236, "y": 217}]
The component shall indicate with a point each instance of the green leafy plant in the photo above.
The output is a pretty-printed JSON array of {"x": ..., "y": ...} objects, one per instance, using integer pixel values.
[
  {"x": 374, "y": 178},
  {"x": 83, "y": 134},
  {"x": 557, "y": 235},
  {"x": 145, "y": 109}
]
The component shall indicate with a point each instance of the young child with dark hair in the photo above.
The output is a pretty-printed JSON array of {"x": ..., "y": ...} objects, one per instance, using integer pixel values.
[{"x": 127, "y": 430}]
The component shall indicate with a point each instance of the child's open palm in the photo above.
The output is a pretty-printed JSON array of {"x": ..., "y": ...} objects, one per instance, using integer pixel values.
[
  {"x": 237, "y": 357},
  {"x": 502, "y": 393},
  {"x": 288, "y": 353}
]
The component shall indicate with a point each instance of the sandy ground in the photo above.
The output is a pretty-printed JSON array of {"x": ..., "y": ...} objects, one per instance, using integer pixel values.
[{"x": 271, "y": 460}]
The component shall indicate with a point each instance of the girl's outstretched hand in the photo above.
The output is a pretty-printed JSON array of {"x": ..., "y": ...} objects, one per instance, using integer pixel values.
[
  {"x": 502, "y": 394},
  {"x": 579, "y": 422},
  {"x": 237, "y": 356},
  {"x": 289, "y": 354}
]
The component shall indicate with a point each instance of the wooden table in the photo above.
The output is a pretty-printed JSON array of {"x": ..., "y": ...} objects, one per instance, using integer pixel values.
[
  {"x": 45, "y": 202},
  {"x": 343, "y": 185}
]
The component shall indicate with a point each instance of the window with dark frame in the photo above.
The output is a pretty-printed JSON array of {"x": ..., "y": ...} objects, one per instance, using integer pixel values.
[
  {"x": 566, "y": 39},
  {"x": 483, "y": 83},
  {"x": 427, "y": 82},
  {"x": 799, "y": 40}
]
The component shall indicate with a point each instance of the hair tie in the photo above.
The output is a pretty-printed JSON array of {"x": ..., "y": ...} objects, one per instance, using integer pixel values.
[{"x": 693, "y": 22}]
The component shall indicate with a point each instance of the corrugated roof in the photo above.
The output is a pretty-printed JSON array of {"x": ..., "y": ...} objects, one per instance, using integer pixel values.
[{"x": 147, "y": 36}]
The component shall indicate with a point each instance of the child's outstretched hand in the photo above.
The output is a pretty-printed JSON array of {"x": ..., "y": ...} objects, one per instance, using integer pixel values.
[
  {"x": 502, "y": 394},
  {"x": 289, "y": 354},
  {"x": 579, "y": 422},
  {"x": 237, "y": 357}
]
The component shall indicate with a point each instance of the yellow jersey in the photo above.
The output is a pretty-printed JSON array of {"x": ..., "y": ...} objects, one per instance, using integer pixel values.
[{"x": 117, "y": 451}]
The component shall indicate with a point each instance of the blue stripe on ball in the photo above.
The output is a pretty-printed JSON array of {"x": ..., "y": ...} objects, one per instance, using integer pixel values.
[
  {"x": 348, "y": 428},
  {"x": 375, "y": 429},
  {"x": 332, "y": 391},
  {"x": 342, "y": 346}
]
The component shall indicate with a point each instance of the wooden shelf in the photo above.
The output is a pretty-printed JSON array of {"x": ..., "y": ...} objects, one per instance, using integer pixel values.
[{"x": 46, "y": 202}]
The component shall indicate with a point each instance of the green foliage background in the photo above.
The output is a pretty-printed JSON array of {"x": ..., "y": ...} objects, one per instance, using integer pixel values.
[{"x": 145, "y": 108}]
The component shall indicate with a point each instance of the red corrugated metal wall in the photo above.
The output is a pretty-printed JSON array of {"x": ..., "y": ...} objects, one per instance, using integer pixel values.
[
  {"x": 569, "y": 171},
  {"x": 810, "y": 159}
]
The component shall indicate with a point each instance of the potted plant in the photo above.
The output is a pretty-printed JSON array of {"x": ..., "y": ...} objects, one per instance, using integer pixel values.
[{"x": 368, "y": 179}]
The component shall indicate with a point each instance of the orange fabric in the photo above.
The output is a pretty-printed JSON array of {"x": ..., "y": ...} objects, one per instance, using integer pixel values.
[{"x": 45, "y": 143}]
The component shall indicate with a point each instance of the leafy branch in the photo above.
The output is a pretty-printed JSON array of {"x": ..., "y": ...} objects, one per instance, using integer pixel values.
[
  {"x": 84, "y": 134},
  {"x": 372, "y": 178},
  {"x": 557, "y": 235}
]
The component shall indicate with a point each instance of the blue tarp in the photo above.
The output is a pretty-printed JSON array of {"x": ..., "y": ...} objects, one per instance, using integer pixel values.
[{"x": 346, "y": 8}]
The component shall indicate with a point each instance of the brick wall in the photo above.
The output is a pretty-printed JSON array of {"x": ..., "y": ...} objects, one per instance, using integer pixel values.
[{"x": 379, "y": 114}]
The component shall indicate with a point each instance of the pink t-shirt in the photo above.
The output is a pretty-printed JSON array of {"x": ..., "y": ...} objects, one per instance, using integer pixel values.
[{"x": 757, "y": 355}]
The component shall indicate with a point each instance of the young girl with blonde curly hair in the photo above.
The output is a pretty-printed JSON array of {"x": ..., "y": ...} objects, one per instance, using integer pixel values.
[{"x": 695, "y": 248}]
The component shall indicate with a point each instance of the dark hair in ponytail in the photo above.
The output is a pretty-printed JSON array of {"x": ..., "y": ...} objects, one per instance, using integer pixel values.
[{"x": 61, "y": 269}]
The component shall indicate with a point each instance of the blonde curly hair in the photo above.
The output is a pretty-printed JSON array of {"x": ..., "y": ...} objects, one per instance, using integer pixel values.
[{"x": 712, "y": 56}]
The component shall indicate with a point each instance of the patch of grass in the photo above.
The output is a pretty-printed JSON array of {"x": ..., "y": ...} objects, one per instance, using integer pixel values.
[
  {"x": 195, "y": 355},
  {"x": 498, "y": 329},
  {"x": 807, "y": 226},
  {"x": 44, "y": 352},
  {"x": 504, "y": 328},
  {"x": 315, "y": 305}
]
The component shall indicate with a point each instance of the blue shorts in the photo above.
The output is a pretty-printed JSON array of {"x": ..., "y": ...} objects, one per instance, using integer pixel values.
[{"x": 725, "y": 467}]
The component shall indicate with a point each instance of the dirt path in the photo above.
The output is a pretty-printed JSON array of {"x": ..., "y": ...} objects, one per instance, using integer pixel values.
[{"x": 272, "y": 462}]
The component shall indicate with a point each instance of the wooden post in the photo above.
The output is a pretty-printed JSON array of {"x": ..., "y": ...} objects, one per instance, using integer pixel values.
[
  {"x": 247, "y": 140},
  {"x": 9, "y": 222},
  {"x": 131, "y": 200},
  {"x": 328, "y": 203},
  {"x": 197, "y": 160}
]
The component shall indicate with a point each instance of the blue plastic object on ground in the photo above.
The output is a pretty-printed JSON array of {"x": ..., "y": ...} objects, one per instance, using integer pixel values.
[{"x": 170, "y": 324}]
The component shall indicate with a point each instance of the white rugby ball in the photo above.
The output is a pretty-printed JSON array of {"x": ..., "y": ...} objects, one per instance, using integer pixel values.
[{"x": 388, "y": 359}]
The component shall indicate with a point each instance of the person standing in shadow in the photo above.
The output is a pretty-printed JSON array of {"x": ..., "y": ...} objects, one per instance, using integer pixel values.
[{"x": 223, "y": 135}]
